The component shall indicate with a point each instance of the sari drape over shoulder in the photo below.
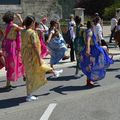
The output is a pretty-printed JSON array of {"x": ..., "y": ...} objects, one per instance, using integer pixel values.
[
  {"x": 95, "y": 65},
  {"x": 35, "y": 74},
  {"x": 11, "y": 47}
]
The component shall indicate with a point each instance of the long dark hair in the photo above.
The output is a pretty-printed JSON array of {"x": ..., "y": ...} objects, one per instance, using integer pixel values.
[
  {"x": 8, "y": 17},
  {"x": 77, "y": 20},
  {"x": 89, "y": 24},
  {"x": 28, "y": 21}
]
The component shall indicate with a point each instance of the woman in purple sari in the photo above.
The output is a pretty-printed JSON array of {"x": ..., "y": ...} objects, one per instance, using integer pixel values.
[{"x": 94, "y": 59}]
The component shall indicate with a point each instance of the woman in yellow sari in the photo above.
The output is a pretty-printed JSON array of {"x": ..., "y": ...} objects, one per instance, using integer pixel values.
[{"x": 35, "y": 67}]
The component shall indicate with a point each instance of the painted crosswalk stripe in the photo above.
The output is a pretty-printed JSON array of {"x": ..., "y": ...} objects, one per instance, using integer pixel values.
[{"x": 48, "y": 111}]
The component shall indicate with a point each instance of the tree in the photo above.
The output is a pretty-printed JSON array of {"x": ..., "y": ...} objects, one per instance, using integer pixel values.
[
  {"x": 110, "y": 11},
  {"x": 92, "y": 6}
]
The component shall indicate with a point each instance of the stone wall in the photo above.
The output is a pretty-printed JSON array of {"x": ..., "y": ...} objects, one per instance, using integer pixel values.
[
  {"x": 67, "y": 6},
  {"x": 39, "y": 8}
]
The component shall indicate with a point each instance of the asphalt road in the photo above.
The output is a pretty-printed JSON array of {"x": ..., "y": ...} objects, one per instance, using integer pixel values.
[{"x": 65, "y": 98}]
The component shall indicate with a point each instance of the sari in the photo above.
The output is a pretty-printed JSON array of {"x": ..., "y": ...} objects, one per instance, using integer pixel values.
[
  {"x": 35, "y": 73},
  {"x": 57, "y": 49},
  {"x": 95, "y": 65},
  {"x": 44, "y": 50},
  {"x": 11, "y": 46}
]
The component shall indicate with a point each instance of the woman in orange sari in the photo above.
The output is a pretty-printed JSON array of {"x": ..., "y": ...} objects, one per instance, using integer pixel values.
[{"x": 35, "y": 67}]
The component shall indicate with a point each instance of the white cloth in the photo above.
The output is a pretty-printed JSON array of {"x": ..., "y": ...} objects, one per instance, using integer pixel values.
[
  {"x": 71, "y": 26},
  {"x": 52, "y": 31},
  {"x": 98, "y": 32},
  {"x": 113, "y": 23}
]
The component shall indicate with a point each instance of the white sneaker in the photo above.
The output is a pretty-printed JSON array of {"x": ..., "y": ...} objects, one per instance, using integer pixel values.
[
  {"x": 31, "y": 98},
  {"x": 58, "y": 72}
]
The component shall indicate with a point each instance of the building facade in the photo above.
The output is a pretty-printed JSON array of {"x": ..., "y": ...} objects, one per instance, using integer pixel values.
[{"x": 38, "y": 8}]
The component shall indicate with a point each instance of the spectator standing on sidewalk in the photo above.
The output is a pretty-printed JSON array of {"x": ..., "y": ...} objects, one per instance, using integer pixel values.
[
  {"x": 100, "y": 19},
  {"x": 44, "y": 28},
  {"x": 113, "y": 27},
  {"x": 71, "y": 29},
  {"x": 117, "y": 33},
  {"x": 98, "y": 31}
]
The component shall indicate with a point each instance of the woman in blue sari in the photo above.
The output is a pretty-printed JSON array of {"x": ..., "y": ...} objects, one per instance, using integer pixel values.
[
  {"x": 94, "y": 59},
  {"x": 56, "y": 44}
]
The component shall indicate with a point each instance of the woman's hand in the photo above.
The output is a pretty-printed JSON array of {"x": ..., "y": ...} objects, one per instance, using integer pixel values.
[{"x": 19, "y": 17}]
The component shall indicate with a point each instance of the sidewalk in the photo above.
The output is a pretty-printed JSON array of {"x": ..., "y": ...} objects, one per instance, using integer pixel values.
[{"x": 106, "y": 31}]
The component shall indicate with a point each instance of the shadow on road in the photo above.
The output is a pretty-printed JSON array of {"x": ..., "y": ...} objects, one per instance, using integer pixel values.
[
  {"x": 62, "y": 89},
  {"x": 4, "y": 89},
  {"x": 116, "y": 60},
  {"x": 117, "y": 76},
  {"x": 3, "y": 81},
  {"x": 64, "y": 78},
  {"x": 112, "y": 69},
  {"x": 12, "y": 102},
  {"x": 6, "y": 103}
]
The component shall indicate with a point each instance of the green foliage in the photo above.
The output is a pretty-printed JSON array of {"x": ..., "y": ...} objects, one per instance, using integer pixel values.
[
  {"x": 109, "y": 12},
  {"x": 63, "y": 22},
  {"x": 92, "y": 6}
]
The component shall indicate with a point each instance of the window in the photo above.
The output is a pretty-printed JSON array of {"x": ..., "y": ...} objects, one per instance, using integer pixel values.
[{"x": 10, "y": 2}]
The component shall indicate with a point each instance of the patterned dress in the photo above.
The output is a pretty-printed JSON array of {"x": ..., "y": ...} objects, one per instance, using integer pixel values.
[
  {"x": 57, "y": 49},
  {"x": 11, "y": 47},
  {"x": 35, "y": 74},
  {"x": 44, "y": 50},
  {"x": 79, "y": 41},
  {"x": 95, "y": 65}
]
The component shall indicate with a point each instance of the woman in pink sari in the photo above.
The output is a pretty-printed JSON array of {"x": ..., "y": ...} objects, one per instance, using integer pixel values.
[
  {"x": 44, "y": 50},
  {"x": 11, "y": 46}
]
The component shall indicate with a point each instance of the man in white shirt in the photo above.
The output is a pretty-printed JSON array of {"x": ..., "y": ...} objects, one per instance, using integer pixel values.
[
  {"x": 44, "y": 28},
  {"x": 113, "y": 27},
  {"x": 98, "y": 32},
  {"x": 71, "y": 28}
]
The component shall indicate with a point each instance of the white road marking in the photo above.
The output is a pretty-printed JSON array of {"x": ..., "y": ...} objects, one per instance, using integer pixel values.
[{"x": 48, "y": 111}]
